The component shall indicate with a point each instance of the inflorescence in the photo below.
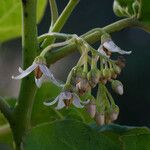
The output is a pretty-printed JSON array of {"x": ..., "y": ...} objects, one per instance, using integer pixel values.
[{"x": 93, "y": 69}]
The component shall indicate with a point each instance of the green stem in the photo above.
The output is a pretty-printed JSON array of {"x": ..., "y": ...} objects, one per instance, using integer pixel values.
[
  {"x": 61, "y": 36},
  {"x": 91, "y": 37},
  {"x": 23, "y": 109},
  {"x": 54, "y": 13},
  {"x": 61, "y": 21},
  {"x": 48, "y": 48}
]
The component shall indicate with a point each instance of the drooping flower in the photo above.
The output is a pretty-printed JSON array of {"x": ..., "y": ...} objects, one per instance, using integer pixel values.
[
  {"x": 108, "y": 47},
  {"x": 65, "y": 99},
  {"x": 41, "y": 72}
]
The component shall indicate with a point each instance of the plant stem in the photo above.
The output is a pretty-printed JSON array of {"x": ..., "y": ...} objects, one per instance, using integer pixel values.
[
  {"x": 61, "y": 21},
  {"x": 91, "y": 37},
  {"x": 54, "y": 13},
  {"x": 23, "y": 109}
]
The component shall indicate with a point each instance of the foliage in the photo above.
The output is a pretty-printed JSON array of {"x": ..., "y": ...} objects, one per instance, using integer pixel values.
[
  {"x": 36, "y": 126},
  {"x": 10, "y": 18}
]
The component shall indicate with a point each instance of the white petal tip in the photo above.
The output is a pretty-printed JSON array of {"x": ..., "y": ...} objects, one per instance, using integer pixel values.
[
  {"x": 46, "y": 104},
  {"x": 13, "y": 77},
  {"x": 20, "y": 69}
]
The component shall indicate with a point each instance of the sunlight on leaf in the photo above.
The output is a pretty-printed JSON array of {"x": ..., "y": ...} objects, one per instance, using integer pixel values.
[{"x": 10, "y": 18}]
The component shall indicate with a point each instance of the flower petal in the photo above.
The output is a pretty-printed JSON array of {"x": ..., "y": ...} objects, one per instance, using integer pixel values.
[
  {"x": 45, "y": 70},
  {"x": 60, "y": 104},
  {"x": 112, "y": 47},
  {"x": 76, "y": 101},
  {"x": 39, "y": 81},
  {"x": 20, "y": 70},
  {"x": 26, "y": 72},
  {"x": 66, "y": 95},
  {"x": 53, "y": 102},
  {"x": 49, "y": 74}
]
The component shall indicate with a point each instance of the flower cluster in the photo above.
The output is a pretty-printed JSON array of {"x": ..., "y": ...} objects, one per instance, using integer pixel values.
[{"x": 94, "y": 68}]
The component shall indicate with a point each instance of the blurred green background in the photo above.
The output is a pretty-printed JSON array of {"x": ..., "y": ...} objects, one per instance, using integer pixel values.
[{"x": 135, "y": 103}]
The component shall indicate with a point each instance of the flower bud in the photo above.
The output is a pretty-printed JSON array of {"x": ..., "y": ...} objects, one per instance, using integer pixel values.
[
  {"x": 100, "y": 118},
  {"x": 83, "y": 86},
  {"x": 117, "y": 69},
  {"x": 107, "y": 73},
  {"x": 114, "y": 113},
  {"x": 117, "y": 86},
  {"x": 113, "y": 74},
  {"x": 120, "y": 62},
  {"x": 91, "y": 109},
  {"x": 78, "y": 74},
  {"x": 93, "y": 77}
]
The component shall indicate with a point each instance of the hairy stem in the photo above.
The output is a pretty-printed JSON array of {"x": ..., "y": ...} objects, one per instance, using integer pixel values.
[
  {"x": 91, "y": 37},
  {"x": 23, "y": 109}
]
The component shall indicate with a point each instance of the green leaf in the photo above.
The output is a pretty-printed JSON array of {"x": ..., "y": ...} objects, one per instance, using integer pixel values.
[
  {"x": 67, "y": 135},
  {"x": 133, "y": 8},
  {"x": 6, "y": 138},
  {"x": 145, "y": 12},
  {"x": 136, "y": 142},
  {"x": 42, "y": 113},
  {"x": 10, "y": 18}
]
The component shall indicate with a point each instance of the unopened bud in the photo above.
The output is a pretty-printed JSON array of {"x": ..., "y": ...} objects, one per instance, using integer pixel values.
[
  {"x": 93, "y": 77},
  {"x": 83, "y": 86},
  {"x": 117, "y": 69},
  {"x": 114, "y": 113},
  {"x": 107, "y": 73},
  {"x": 100, "y": 118},
  {"x": 113, "y": 74},
  {"x": 117, "y": 86},
  {"x": 120, "y": 62},
  {"x": 78, "y": 74},
  {"x": 91, "y": 109}
]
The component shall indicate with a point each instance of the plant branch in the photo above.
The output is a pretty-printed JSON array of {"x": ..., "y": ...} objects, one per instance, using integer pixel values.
[
  {"x": 61, "y": 21},
  {"x": 91, "y": 37}
]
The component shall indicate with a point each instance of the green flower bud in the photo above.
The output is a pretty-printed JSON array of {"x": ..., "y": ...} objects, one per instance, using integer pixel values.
[
  {"x": 93, "y": 77},
  {"x": 117, "y": 86},
  {"x": 117, "y": 69},
  {"x": 107, "y": 73}
]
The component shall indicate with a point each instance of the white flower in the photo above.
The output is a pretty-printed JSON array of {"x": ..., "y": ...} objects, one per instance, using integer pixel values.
[
  {"x": 110, "y": 47},
  {"x": 65, "y": 99},
  {"x": 41, "y": 73}
]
